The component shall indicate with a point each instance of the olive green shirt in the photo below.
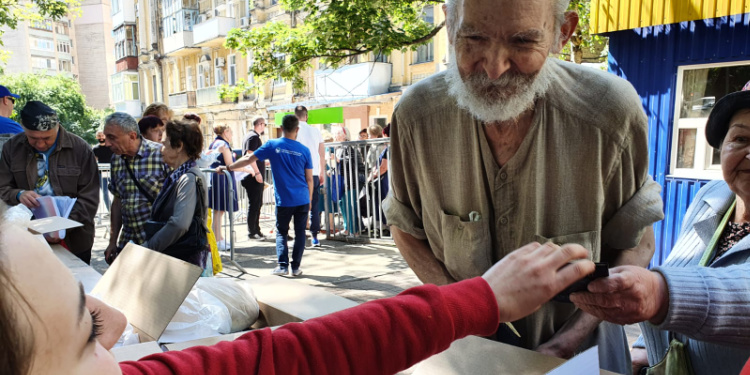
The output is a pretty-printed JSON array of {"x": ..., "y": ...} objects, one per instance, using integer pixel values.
[{"x": 579, "y": 176}]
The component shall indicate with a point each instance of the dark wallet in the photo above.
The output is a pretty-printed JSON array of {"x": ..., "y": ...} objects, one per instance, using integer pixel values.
[{"x": 601, "y": 270}]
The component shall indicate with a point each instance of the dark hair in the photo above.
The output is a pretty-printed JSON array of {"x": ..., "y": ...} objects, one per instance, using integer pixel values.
[
  {"x": 192, "y": 117},
  {"x": 154, "y": 109},
  {"x": 149, "y": 122},
  {"x": 363, "y": 131},
  {"x": 186, "y": 134},
  {"x": 300, "y": 110},
  {"x": 387, "y": 130},
  {"x": 17, "y": 346},
  {"x": 289, "y": 123}
]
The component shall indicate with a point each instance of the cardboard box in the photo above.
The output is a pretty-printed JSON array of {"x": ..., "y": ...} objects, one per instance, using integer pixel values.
[
  {"x": 136, "y": 352},
  {"x": 148, "y": 287},
  {"x": 476, "y": 355}
]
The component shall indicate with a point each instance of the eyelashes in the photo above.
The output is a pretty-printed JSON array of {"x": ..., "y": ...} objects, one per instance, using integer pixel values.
[{"x": 96, "y": 325}]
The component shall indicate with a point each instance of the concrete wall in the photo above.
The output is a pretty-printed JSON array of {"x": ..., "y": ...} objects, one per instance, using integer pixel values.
[{"x": 95, "y": 49}]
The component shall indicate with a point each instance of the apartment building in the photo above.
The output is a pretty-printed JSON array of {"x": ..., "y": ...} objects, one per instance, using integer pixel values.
[
  {"x": 125, "y": 80},
  {"x": 182, "y": 62},
  {"x": 69, "y": 47}
]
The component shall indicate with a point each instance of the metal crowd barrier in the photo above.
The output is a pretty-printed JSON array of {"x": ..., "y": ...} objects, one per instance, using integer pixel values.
[
  {"x": 353, "y": 193},
  {"x": 101, "y": 219},
  {"x": 221, "y": 200}
]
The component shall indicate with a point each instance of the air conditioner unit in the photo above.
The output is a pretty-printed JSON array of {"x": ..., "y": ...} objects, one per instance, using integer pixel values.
[
  {"x": 244, "y": 21},
  {"x": 219, "y": 61}
]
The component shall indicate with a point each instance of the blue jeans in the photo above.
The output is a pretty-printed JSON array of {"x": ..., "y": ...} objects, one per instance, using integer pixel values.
[
  {"x": 283, "y": 216},
  {"x": 315, "y": 212}
]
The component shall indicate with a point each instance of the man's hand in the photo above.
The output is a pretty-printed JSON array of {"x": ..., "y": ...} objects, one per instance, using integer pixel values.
[
  {"x": 52, "y": 240},
  {"x": 530, "y": 276},
  {"x": 28, "y": 199},
  {"x": 220, "y": 169},
  {"x": 569, "y": 337},
  {"x": 629, "y": 295},
  {"x": 639, "y": 357},
  {"x": 258, "y": 178},
  {"x": 112, "y": 321},
  {"x": 110, "y": 253}
]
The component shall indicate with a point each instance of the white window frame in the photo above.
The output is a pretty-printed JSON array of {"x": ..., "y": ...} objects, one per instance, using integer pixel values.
[
  {"x": 702, "y": 167},
  {"x": 232, "y": 70},
  {"x": 201, "y": 75},
  {"x": 189, "y": 79}
]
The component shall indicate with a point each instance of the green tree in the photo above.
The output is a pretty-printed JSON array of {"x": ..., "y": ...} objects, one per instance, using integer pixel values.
[
  {"x": 13, "y": 11},
  {"x": 62, "y": 94},
  {"x": 336, "y": 30},
  {"x": 582, "y": 40}
]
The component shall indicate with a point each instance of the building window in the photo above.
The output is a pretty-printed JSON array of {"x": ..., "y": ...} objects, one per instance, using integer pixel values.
[
  {"x": 218, "y": 71},
  {"x": 42, "y": 44},
  {"x": 424, "y": 53},
  {"x": 189, "y": 78},
  {"x": 203, "y": 78},
  {"x": 232, "y": 69},
  {"x": 43, "y": 63},
  {"x": 116, "y": 6},
  {"x": 179, "y": 16},
  {"x": 699, "y": 87},
  {"x": 42, "y": 25},
  {"x": 62, "y": 28},
  {"x": 125, "y": 42},
  {"x": 65, "y": 66},
  {"x": 64, "y": 47},
  {"x": 153, "y": 84},
  {"x": 380, "y": 56}
]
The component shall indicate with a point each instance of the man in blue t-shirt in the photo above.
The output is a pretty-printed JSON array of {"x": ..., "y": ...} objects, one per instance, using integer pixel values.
[
  {"x": 7, "y": 101},
  {"x": 291, "y": 166}
]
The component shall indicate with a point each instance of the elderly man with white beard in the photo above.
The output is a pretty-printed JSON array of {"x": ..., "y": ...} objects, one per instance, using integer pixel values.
[{"x": 510, "y": 146}]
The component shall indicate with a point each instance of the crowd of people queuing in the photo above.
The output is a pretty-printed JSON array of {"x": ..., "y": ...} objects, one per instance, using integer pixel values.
[{"x": 526, "y": 162}]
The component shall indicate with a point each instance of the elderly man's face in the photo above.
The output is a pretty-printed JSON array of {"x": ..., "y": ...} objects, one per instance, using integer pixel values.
[
  {"x": 42, "y": 140},
  {"x": 500, "y": 48},
  {"x": 120, "y": 141}
]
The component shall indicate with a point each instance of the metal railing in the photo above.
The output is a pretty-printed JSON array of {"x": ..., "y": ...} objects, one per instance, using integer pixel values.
[{"x": 355, "y": 189}]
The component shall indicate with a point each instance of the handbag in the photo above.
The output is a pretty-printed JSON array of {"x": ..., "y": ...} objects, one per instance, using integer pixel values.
[
  {"x": 193, "y": 241},
  {"x": 675, "y": 362}
]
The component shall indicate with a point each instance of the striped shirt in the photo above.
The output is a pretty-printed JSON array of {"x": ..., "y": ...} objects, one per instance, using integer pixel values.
[{"x": 149, "y": 168}]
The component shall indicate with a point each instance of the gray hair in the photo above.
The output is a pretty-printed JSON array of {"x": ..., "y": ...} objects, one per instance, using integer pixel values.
[
  {"x": 125, "y": 121},
  {"x": 560, "y": 6}
]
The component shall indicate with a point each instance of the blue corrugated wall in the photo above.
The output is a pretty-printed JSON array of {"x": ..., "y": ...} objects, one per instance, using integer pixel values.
[{"x": 649, "y": 58}]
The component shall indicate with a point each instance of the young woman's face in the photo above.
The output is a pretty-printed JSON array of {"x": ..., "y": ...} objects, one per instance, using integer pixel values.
[
  {"x": 64, "y": 339},
  {"x": 155, "y": 134}
]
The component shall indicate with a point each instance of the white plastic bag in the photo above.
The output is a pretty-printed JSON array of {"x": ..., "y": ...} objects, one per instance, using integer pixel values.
[
  {"x": 214, "y": 307},
  {"x": 18, "y": 214},
  {"x": 208, "y": 157},
  {"x": 241, "y": 303}
]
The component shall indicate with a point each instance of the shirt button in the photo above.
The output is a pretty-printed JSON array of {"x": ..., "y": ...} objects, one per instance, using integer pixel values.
[
  {"x": 503, "y": 220},
  {"x": 503, "y": 176}
]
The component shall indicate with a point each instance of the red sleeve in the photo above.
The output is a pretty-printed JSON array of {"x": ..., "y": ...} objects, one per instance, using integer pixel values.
[
  {"x": 746, "y": 369},
  {"x": 378, "y": 337}
]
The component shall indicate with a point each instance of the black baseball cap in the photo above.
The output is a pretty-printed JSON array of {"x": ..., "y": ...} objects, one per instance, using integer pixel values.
[
  {"x": 718, "y": 121},
  {"x": 36, "y": 115}
]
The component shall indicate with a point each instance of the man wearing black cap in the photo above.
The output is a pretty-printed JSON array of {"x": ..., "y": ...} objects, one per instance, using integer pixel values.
[
  {"x": 46, "y": 160},
  {"x": 7, "y": 101}
]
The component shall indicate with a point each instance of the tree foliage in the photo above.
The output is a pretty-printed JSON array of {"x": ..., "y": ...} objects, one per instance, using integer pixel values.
[
  {"x": 62, "y": 94},
  {"x": 582, "y": 40},
  {"x": 336, "y": 30}
]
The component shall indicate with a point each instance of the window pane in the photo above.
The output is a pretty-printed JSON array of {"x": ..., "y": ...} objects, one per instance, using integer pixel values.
[
  {"x": 686, "y": 148},
  {"x": 715, "y": 157},
  {"x": 701, "y": 88}
]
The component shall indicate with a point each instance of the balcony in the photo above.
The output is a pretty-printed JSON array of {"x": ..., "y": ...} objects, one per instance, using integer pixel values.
[
  {"x": 356, "y": 80},
  {"x": 178, "y": 44},
  {"x": 211, "y": 33},
  {"x": 131, "y": 107},
  {"x": 126, "y": 14},
  {"x": 207, "y": 96},
  {"x": 182, "y": 100}
]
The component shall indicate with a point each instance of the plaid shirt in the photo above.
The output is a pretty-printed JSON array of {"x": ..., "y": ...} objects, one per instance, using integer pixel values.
[{"x": 151, "y": 171}]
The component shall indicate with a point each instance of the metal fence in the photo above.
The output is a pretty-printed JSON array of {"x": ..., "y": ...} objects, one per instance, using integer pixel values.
[{"x": 356, "y": 182}]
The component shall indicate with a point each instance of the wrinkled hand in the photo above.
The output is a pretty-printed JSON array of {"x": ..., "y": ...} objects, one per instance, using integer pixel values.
[
  {"x": 629, "y": 295},
  {"x": 530, "y": 276},
  {"x": 110, "y": 254},
  {"x": 28, "y": 199},
  {"x": 259, "y": 178},
  {"x": 557, "y": 347},
  {"x": 112, "y": 321},
  {"x": 639, "y": 357},
  {"x": 221, "y": 169}
]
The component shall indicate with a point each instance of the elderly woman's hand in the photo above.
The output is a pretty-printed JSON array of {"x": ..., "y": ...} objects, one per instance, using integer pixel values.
[
  {"x": 220, "y": 169},
  {"x": 629, "y": 295}
]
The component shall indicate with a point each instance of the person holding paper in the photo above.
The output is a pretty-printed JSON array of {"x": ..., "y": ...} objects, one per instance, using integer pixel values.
[
  {"x": 46, "y": 160},
  {"x": 51, "y": 330}
]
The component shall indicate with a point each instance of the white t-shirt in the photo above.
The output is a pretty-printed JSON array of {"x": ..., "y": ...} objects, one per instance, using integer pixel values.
[{"x": 311, "y": 138}]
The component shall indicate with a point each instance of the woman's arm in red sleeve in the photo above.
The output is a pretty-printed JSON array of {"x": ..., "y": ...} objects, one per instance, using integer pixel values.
[{"x": 378, "y": 337}]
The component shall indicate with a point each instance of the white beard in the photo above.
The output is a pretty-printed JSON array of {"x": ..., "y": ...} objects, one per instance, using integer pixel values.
[{"x": 503, "y": 99}]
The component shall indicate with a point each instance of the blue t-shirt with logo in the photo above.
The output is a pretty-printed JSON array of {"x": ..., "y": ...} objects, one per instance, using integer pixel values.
[
  {"x": 289, "y": 159},
  {"x": 8, "y": 126}
]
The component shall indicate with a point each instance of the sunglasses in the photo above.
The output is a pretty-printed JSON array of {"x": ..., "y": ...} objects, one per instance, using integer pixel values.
[{"x": 12, "y": 99}]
